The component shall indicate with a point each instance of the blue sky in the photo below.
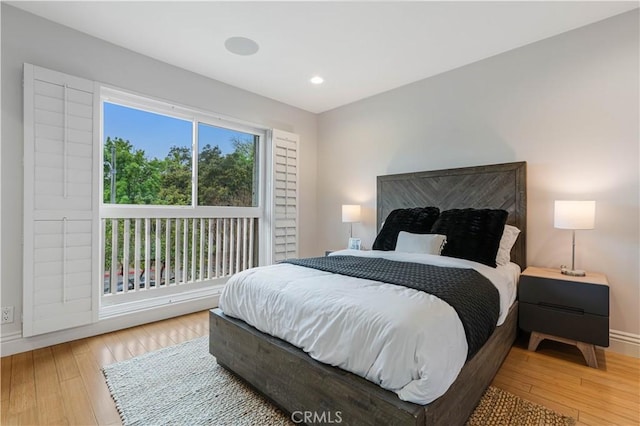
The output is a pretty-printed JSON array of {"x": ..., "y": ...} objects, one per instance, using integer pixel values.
[{"x": 155, "y": 133}]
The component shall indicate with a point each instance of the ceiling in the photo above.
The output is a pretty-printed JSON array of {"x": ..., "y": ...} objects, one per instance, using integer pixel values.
[{"x": 359, "y": 48}]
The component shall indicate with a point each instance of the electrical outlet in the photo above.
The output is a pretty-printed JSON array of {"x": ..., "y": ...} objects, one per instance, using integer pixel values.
[{"x": 7, "y": 314}]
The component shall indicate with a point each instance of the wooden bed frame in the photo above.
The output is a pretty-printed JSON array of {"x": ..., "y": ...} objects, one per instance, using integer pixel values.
[{"x": 297, "y": 383}]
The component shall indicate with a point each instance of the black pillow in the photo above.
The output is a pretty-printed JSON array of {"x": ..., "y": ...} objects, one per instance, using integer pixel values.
[
  {"x": 472, "y": 234},
  {"x": 418, "y": 220}
]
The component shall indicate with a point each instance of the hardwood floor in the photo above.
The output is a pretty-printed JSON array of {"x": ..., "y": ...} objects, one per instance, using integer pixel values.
[
  {"x": 63, "y": 384},
  {"x": 557, "y": 376}
]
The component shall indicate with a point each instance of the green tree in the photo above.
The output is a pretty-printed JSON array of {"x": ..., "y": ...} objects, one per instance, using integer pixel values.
[
  {"x": 227, "y": 180},
  {"x": 176, "y": 177},
  {"x": 137, "y": 180},
  {"x": 209, "y": 166}
]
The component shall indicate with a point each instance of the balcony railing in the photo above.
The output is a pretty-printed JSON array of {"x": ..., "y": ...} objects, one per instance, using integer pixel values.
[{"x": 150, "y": 254}]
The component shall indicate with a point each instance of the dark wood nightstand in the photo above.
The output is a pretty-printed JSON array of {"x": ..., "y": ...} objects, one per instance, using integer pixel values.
[{"x": 573, "y": 310}]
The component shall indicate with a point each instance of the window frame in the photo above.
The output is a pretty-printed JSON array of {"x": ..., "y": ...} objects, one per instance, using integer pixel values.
[{"x": 195, "y": 116}]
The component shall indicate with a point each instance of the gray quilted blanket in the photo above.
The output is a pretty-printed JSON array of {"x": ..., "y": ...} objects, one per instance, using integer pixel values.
[{"x": 472, "y": 295}]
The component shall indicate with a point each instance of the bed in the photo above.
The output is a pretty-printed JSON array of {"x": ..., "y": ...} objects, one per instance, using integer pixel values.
[{"x": 297, "y": 383}]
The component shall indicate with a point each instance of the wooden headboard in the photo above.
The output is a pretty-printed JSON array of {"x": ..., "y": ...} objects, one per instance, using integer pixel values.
[{"x": 498, "y": 186}]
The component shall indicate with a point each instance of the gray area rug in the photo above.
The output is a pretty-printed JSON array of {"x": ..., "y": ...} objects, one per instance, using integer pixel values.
[{"x": 183, "y": 385}]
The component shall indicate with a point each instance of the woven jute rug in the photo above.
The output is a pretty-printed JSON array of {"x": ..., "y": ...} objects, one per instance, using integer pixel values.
[{"x": 183, "y": 385}]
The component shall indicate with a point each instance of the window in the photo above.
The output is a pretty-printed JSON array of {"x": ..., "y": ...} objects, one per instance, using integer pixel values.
[
  {"x": 147, "y": 157},
  {"x": 182, "y": 203},
  {"x": 227, "y": 168},
  {"x": 158, "y": 156}
]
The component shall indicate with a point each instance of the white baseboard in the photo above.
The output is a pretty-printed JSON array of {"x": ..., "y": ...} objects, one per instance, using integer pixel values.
[
  {"x": 14, "y": 343},
  {"x": 624, "y": 343},
  {"x": 10, "y": 337}
]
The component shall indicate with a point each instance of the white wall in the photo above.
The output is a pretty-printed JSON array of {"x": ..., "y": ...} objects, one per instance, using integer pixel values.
[
  {"x": 567, "y": 105},
  {"x": 28, "y": 38}
]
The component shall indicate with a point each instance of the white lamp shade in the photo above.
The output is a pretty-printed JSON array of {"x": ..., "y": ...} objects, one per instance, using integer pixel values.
[
  {"x": 574, "y": 214},
  {"x": 350, "y": 213}
]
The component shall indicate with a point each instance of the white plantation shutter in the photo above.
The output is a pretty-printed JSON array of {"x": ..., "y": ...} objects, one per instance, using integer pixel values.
[
  {"x": 60, "y": 204},
  {"x": 285, "y": 195}
]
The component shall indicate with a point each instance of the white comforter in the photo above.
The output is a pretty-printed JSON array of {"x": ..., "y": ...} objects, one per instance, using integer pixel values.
[{"x": 402, "y": 339}]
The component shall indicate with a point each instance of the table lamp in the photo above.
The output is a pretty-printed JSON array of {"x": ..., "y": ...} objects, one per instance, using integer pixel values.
[
  {"x": 574, "y": 215},
  {"x": 350, "y": 214}
]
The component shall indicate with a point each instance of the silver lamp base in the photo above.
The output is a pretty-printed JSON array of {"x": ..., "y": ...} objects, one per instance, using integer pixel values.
[{"x": 572, "y": 272}]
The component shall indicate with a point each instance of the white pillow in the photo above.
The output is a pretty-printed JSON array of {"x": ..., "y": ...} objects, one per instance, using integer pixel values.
[
  {"x": 420, "y": 243},
  {"x": 509, "y": 237}
]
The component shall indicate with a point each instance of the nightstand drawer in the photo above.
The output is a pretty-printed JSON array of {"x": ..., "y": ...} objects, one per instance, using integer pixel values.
[
  {"x": 570, "y": 324},
  {"x": 584, "y": 297}
]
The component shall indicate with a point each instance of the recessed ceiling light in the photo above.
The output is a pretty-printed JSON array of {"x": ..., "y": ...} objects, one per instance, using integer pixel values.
[
  {"x": 241, "y": 46},
  {"x": 317, "y": 80}
]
